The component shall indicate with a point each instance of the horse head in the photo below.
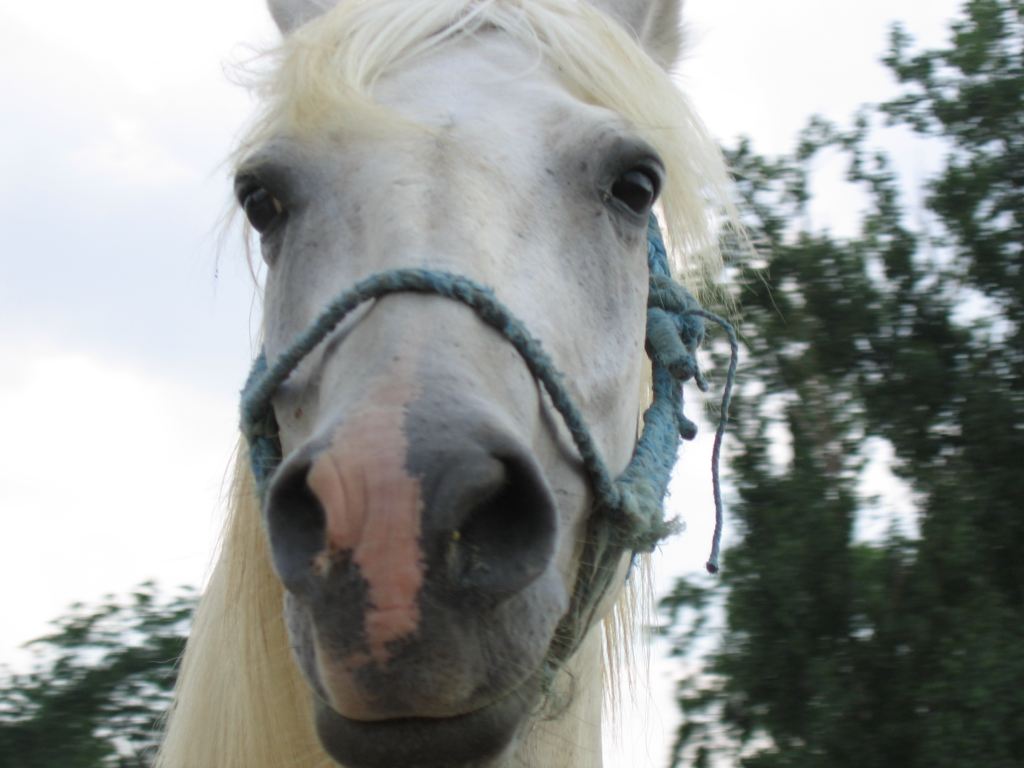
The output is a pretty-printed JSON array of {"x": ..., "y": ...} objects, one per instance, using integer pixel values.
[{"x": 428, "y": 512}]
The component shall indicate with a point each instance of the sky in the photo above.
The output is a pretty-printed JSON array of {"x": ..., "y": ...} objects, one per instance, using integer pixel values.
[{"x": 126, "y": 319}]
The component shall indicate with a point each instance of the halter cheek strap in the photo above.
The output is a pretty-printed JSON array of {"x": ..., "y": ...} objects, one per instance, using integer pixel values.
[{"x": 628, "y": 511}]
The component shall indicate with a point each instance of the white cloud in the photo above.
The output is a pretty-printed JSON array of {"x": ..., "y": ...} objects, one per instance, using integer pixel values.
[
  {"x": 888, "y": 502},
  {"x": 130, "y": 154},
  {"x": 760, "y": 69},
  {"x": 111, "y": 476},
  {"x": 148, "y": 46}
]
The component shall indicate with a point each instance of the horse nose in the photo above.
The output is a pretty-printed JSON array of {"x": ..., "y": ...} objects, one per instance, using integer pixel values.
[
  {"x": 491, "y": 518},
  {"x": 471, "y": 517}
]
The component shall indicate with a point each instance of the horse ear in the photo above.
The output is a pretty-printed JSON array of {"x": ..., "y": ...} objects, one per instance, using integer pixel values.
[
  {"x": 289, "y": 14},
  {"x": 656, "y": 23}
]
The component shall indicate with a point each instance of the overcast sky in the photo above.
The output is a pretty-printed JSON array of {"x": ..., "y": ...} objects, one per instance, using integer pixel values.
[{"x": 123, "y": 336}]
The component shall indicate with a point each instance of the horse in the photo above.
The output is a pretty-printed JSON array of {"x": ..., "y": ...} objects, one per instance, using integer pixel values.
[{"x": 416, "y": 568}]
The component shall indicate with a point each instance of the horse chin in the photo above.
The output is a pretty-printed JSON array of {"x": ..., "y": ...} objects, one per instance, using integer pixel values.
[{"x": 476, "y": 739}]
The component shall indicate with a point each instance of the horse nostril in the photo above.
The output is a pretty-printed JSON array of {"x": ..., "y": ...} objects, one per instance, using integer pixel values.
[
  {"x": 506, "y": 532},
  {"x": 484, "y": 525},
  {"x": 296, "y": 525}
]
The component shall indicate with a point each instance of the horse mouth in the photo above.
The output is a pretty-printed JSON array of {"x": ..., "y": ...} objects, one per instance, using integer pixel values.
[{"x": 471, "y": 740}]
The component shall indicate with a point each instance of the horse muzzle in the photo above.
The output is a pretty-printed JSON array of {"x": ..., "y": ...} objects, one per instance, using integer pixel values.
[{"x": 410, "y": 542}]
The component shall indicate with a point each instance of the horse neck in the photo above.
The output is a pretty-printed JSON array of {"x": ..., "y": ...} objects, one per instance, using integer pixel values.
[{"x": 569, "y": 734}]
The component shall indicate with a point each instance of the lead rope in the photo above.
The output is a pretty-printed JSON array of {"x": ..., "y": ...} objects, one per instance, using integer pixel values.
[
  {"x": 672, "y": 341},
  {"x": 628, "y": 511}
]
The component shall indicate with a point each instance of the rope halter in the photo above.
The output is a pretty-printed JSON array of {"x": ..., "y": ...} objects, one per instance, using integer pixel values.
[{"x": 628, "y": 511}]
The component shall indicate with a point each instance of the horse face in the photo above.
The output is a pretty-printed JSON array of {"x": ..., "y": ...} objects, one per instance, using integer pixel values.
[{"x": 428, "y": 514}]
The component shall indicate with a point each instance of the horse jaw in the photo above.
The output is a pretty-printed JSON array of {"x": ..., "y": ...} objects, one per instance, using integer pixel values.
[{"x": 655, "y": 23}]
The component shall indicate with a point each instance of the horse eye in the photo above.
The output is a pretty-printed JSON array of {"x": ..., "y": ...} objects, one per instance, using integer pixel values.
[
  {"x": 261, "y": 208},
  {"x": 637, "y": 189}
]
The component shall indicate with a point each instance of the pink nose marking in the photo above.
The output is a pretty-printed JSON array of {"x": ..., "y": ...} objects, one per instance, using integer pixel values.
[{"x": 373, "y": 509}]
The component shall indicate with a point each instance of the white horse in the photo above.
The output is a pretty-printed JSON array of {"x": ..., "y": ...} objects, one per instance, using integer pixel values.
[{"x": 399, "y": 597}]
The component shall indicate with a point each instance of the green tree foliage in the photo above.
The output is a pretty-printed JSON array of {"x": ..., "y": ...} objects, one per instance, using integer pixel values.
[
  {"x": 906, "y": 651},
  {"x": 99, "y": 685}
]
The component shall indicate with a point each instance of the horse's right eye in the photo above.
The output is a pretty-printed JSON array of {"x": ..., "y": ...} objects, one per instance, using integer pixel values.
[{"x": 261, "y": 208}]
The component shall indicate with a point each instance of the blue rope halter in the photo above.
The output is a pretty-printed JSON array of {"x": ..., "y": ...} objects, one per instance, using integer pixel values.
[{"x": 628, "y": 511}]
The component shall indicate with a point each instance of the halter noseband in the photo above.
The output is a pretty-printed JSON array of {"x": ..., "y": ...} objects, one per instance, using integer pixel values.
[{"x": 628, "y": 510}]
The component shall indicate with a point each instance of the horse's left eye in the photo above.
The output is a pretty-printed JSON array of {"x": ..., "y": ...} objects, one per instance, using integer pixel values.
[
  {"x": 261, "y": 208},
  {"x": 637, "y": 189}
]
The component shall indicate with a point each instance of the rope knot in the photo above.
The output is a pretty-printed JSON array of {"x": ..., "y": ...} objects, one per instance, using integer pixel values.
[
  {"x": 630, "y": 506},
  {"x": 674, "y": 329}
]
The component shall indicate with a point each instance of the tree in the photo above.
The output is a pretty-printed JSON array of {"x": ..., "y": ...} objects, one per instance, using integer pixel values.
[
  {"x": 100, "y": 685},
  {"x": 908, "y": 650}
]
